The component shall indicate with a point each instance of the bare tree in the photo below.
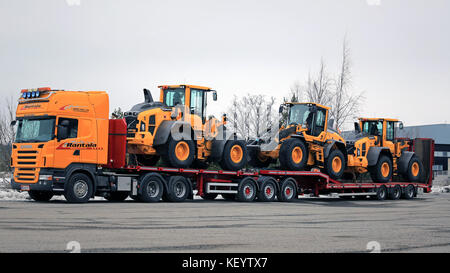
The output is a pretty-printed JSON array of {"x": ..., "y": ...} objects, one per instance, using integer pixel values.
[
  {"x": 117, "y": 113},
  {"x": 7, "y": 134},
  {"x": 318, "y": 89}
]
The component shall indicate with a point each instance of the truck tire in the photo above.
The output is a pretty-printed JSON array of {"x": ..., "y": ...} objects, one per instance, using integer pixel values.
[
  {"x": 229, "y": 196},
  {"x": 151, "y": 189},
  {"x": 234, "y": 156},
  {"x": 268, "y": 190},
  {"x": 258, "y": 161},
  {"x": 415, "y": 170},
  {"x": 247, "y": 190},
  {"x": 117, "y": 196},
  {"x": 288, "y": 190},
  {"x": 335, "y": 164},
  {"x": 79, "y": 188},
  {"x": 180, "y": 154},
  {"x": 178, "y": 189},
  {"x": 408, "y": 192},
  {"x": 41, "y": 196},
  {"x": 209, "y": 196},
  {"x": 293, "y": 155},
  {"x": 381, "y": 193},
  {"x": 395, "y": 192},
  {"x": 382, "y": 171}
]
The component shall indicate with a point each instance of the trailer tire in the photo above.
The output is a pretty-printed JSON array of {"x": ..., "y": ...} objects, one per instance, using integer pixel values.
[
  {"x": 180, "y": 154},
  {"x": 234, "y": 156},
  {"x": 335, "y": 164},
  {"x": 209, "y": 196},
  {"x": 395, "y": 192},
  {"x": 268, "y": 190},
  {"x": 247, "y": 190},
  {"x": 151, "y": 189},
  {"x": 288, "y": 190},
  {"x": 41, "y": 196},
  {"x": 408, "y": 192},
  {"x": 381, "y": 193},
  {"x": 117, "y": 196},
  {"x": 293, "y": 154},
  {"x": 178, "y": 189},
  {"x": 229, "y": 196},
  {"x": 79, "y": 188},
  {"x": 382, "y": 171},
  {"x": 415, "y": 170}
]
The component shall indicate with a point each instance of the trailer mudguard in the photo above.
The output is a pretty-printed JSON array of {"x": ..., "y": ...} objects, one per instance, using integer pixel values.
[
  {"x": 327, "y": 148},
  {"x": 166, "y": 127},
  {"x": 403, "y": 161},
  {"x": 374, "y": 154}
]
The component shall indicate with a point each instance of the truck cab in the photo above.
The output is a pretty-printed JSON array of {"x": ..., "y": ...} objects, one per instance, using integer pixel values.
[{"x": 58, "y": 132}]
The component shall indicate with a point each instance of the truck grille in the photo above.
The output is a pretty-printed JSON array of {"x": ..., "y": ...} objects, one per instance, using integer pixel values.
[{"x": 26, "y": 163}]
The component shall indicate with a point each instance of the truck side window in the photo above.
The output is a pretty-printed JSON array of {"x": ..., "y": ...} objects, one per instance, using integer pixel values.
[{"x": 73, "y": 127}]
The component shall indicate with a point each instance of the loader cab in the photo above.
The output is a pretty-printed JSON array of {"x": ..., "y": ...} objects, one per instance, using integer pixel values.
[
  {"x": 384, "y": 131},
  {"x": 310, "y": 116}
]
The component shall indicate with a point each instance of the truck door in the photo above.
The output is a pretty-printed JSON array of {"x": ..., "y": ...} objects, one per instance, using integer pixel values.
[{"x": 67, "y": 149}]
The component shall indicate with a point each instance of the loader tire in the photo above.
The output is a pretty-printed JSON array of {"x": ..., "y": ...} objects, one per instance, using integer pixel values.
[
  {"x": 415, "y": 170},
  {"x": 293, "y": 155},
  {"x": 147, "y": 160},
  {"x": 335, "y": 164},
  {"x": 382, "y": 171},
  {"x": 234, "y": 155},
  {"x": 257, "y": 160},
  {"x": 180, "y": 153}
]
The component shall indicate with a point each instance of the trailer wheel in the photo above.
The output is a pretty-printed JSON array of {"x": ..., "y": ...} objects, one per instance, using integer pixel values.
[
  {"x": 229, "y": 196},
  {"x": 151, "y": 189},
  {"x": 395, "y": 192},
  {"x": 234, "y": 155},
  {"x": 78, "y": 189},
  {"x": 180, "y": 154},
  {"x": 247, "y": 190},
  {"x": 335, "y": 164},
  {"x": 268, "y": 190},
  {"x": 257, "y": 160},
  {"x": 288, "y": 190},
  {"x": 293, "y": 154},
  {"x": 415, "y": 169},
  {"x": 177, "y": 189},
  {"x": 382, "y": 171},
  {"x": 117, "y": 196},
  {"x": 381, "y": 193},
  {"x": 209, "y": 196},
  {"x": 408, "y": 192},
  {"x": 41, "y": 196}
]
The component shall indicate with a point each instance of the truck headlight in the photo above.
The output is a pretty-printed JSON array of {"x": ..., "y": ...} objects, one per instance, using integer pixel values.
[{"x": 45, "y": 177}]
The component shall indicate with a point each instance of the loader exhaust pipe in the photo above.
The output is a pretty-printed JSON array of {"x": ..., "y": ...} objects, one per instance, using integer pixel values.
[{"x": 148, "y": 96}]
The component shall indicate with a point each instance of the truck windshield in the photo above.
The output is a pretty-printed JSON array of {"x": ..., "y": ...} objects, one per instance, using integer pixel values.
[
  {"x": 36, "y": 129},
  {"x": 298, "y": 114}
]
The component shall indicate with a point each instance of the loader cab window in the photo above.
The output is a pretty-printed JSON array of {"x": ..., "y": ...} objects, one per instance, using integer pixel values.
[
  {"x": 198, "y": 102},
  {"x": 390, "y": 130},
  {"x": 298, "y": 114},
  {"x": 174, "y": 97},
  {"x": 373, "y": 128},
  {"x": 72, "y": 128},
  {"x": 319, "y": 124}
]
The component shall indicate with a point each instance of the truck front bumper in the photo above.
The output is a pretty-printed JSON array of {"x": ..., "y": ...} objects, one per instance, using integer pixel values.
[{"x": 47, "y": 182}]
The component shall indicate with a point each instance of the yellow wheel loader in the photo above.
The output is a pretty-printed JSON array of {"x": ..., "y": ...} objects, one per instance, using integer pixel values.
[
  {"x": 177, "y": 130},
  {"x": 374, "y": 148},
  {"x": 307, "y": 141}
]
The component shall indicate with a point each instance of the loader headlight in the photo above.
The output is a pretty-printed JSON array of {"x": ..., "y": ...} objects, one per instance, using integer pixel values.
[{"x": 142, "y": 127}]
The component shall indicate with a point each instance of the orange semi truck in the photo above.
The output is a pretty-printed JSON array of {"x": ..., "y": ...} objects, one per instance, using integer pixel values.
[{"x": 67, "y": 145}]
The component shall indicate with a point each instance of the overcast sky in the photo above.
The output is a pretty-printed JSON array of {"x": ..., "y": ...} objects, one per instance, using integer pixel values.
[{"x": 400, "y": 49}]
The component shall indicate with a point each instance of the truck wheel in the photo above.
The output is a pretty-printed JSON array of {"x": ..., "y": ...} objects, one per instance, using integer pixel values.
[
  {"x": 268, "y": 190},
  {"x": 209, "y": 196},
  {"x": 382, "y": 171},
  {"x": 41, "y": 196},
  {"x": 395, "y": 192},
  {"x": 234, "y": 155},
  {"x": 147, "y": 160},
  {"x": 151, "y": 189},
  {"x": 381, "y": 193},
  {"x": 229, "y": 196},
  {"x": 257, "y": 160},
  {"x": 335, "y": 164},
  {"x": 247, "y": 190},
  {"x": 180, "y": 154},
  {"x": 177, "y": 189},
  {"x": 116, "y": 196},
  {"x": 288, "y": 190},
  {"x": 415, "y": 169},
  {"x": 408, "y": 192},
  {"x": 78, "y": 189},
  {"x": 293, "y": 155}
]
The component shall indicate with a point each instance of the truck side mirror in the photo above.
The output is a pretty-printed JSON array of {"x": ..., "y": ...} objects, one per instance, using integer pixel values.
[
  {"x": 280, "y": 110},
  {"x": 400, "y": 126},
  {"x": 357, "y": 128},
  {"x": 214, "y": 96},
  {"x": 13, "y": 123}
]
